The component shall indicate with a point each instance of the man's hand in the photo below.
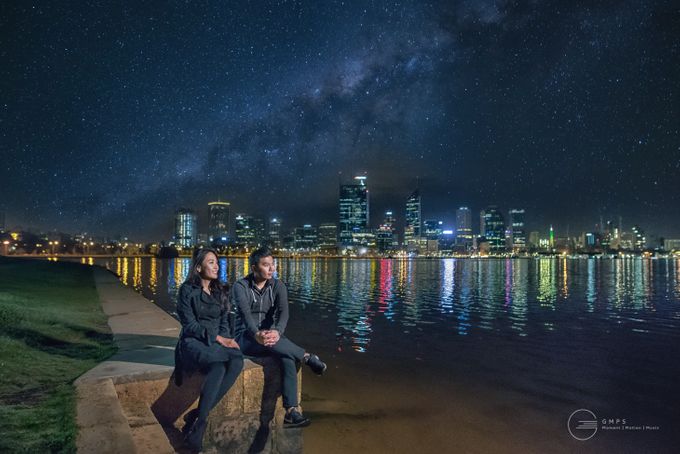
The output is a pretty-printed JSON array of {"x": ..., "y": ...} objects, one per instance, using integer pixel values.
[
  {"x": 260, "y": 337},
  {"x": 226, "y": 342},
  {"x": 271, "y": 337}
]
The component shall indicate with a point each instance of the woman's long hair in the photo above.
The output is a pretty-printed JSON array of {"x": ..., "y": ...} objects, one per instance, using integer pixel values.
[{"x": 217, "y": 288}]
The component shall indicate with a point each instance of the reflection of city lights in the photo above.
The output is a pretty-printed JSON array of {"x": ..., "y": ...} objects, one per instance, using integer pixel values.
[
  {"x": 137, "y": 274},
  {"x": 124, "y": 276},
  {"x": 152, "y": 275}
]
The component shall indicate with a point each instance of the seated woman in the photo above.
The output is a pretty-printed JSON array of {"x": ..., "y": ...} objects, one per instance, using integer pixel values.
[{"x": 206, "y": 342}]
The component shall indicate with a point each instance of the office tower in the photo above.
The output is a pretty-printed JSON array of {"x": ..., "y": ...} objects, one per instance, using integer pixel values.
[
  {"x": 244, "y": 230},
  {"x": 274, "y": 233},
  {"x": 493, "y": 228},
  {"x": 433, "y": 229},
  {"x": 354, "y": 210},
  {"x": 259, "y": 230},
  {"x": 218, "y": 226},
  {"x": 186, "y": 234},
  {"x": 551, "y": 237},
  {"x": 639, "y": 239},
  {"x": 385, "y": 236},
  {"x": 464, "y": 226},
  {"x": 534, "y": 239},
  {"x": 518, "y": 237},
  {"x": 305, "y": 237},
  {"x": 412, "y": 229},
  {"x": 328, "y": 238}
]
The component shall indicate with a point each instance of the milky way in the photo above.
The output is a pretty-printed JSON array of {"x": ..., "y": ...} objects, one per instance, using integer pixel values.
[{"x": 114, "y": 116}]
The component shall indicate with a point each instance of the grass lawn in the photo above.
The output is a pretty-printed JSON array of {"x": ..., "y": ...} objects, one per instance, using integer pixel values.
[{"x": 52, "y": 329}]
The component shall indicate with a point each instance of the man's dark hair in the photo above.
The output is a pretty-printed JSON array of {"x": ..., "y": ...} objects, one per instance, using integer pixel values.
[{"x": 259, "y": 254}]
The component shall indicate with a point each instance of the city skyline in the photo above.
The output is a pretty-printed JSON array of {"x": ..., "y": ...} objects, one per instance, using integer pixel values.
[{"x": 115, "y": 116}]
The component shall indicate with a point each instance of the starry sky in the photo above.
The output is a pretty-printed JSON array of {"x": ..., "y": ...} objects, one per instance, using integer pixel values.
[{"x": 114, "y": 114}]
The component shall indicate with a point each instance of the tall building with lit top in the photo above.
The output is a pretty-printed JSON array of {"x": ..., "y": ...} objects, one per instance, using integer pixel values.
[
  {"x": 518, "y": 236},
  {"x": 413, "y": 226},
  {"x": 354, "y": 211},
  {"x": 385, "y": 236},
  {"x": 493, "y": 228},
  {"x": 218, "y": 225},
  {"x": 274, "y": 233},
  {"x": 186, "y": 233},
  {"x": 245, "y": 230},
  {"x": 464, "y": 226}
]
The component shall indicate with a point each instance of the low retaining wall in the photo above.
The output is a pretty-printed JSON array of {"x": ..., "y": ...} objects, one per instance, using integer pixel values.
[{"x": 248, "y": 419}]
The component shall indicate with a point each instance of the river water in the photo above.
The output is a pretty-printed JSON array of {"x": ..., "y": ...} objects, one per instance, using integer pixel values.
[{"x": 474, "y": 355}]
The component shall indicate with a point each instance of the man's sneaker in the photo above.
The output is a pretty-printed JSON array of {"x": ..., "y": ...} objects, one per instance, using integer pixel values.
[
  {"x": 294, "y": 418},
  {"x": 317, "y": 366}
]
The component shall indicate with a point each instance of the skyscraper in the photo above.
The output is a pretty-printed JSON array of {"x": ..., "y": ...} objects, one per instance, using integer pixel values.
[
  {"x": 354, "y": 210},
  {"x": 244, "y": 230},
  {"x": 412, "y": 228},
  {"x": 218, "y": 226},
  {"x": 464, "y": 226},
  {"x": 385, "y": 238},
  {"x": 186, "y": 234},
  {"x": 274, "y": 233},
  {"x": 517, "y": 230},
  {"x": 639, "y": 239},
  {"x": 493, "y": 228}
]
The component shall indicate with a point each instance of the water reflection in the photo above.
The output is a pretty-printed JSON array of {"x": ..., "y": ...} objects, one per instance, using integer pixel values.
[{"x": 365, "y": 301}]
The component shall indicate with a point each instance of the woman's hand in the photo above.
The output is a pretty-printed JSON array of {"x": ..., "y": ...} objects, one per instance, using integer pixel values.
[{"x": 226, "y": 342}]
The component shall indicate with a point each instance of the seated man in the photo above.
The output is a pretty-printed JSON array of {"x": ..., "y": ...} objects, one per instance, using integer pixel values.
[{"x": 261, "y": 304}]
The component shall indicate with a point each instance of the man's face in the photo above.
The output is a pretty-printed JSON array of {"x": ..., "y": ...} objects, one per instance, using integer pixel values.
[{"x": 265, "y": 268}]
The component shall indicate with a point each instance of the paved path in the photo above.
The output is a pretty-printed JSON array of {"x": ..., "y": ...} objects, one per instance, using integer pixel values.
[
  {"x": 145, "y": 334},
  {"x": 146, "y": 337}
]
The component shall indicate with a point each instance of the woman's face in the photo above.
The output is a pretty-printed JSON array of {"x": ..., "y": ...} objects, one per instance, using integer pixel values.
[{"x": 209, "y": 267}]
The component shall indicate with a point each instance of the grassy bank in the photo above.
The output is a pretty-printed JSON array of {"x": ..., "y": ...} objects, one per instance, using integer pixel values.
[{"x": 52, "y": 329}]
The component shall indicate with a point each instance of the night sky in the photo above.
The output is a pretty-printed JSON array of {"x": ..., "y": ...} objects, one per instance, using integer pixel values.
[{"x": 114, "y": 114}]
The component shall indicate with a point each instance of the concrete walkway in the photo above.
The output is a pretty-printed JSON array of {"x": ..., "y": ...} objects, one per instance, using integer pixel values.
[
  {"x": 145, "y": 334},
  {"x": 146, "y": 337}
]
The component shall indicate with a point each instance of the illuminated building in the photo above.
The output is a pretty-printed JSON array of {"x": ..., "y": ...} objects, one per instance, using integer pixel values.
[
  {"x": 305, "y": 237},
  {"x": 551, "y": 237},
  {"x": 534, "y": 239},
  {"x": 464, "y": 226},
  {"x": 328, "y": 237},
  {"x": 493, "y": 228},
  {"x": 518, "y": 237},
  {"x": 639, "y": 239},
  {"x": 244, "y": 230},
  {"x": 354, "y": 211},
  {"x": 433, "y": 229},
  {"x": 218, "y": 225},
  {"x": 671, "y": 245},
  {"x": 385, "y": 236},
  {"x": 412, "y": 229},
  {"x": 274, "y": 233},
  {"x": 186, "y": 234}
]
